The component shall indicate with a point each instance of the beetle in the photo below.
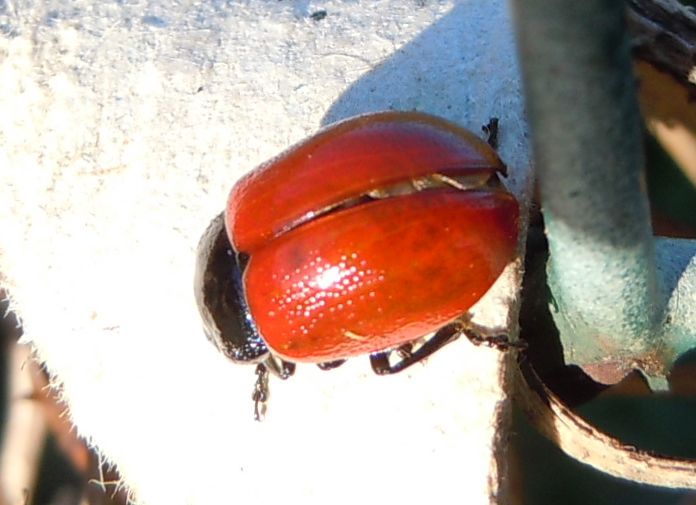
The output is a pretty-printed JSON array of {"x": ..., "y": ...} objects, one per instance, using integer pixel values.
[{"x": 375, "y": 232}]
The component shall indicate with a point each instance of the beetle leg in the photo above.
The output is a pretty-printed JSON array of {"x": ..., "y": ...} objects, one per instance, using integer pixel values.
[
  {"x": 260, "y": 394},
  {"x": 279, "y": 368},
  {"x": 500, "y": 341},
  {"x": 491, "y": 131},
  {"x": 491, "y": 337},
  {"x": 380, "y": 360},
  {"x": 405, "y": 351},
  {"x": 330, "y": 365}
]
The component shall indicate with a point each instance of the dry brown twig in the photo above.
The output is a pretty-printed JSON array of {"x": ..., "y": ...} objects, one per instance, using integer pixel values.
[
  {"x": 583, "y": 442},
  {"x": 664, "y": 34}
]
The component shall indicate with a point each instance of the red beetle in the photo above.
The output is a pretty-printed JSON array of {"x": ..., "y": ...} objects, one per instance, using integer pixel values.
[{"x": 375, "y": 232}]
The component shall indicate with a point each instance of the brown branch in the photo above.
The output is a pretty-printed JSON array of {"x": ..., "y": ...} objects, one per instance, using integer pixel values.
[
  {"x": 24, "y": 434},
  {"x": 664, "y": 34},
  {"x": 585, "y": 443}
]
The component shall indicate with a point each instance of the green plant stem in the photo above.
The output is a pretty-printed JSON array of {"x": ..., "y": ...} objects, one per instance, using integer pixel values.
[{"x": 609, "y": 304}]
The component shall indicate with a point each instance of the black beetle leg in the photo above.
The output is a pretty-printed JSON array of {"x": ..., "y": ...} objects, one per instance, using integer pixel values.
[
  {"x": 330, "y": 365},
  {"x": 405, "y": 351},
  {"x": 491, "y": 131},
  {"x": 481, "y": 335},
  {"x": 500, "y": 341},
  {"x": 380, "y": 360},
  {"x": 279, "y": 368},
  {"x": 260, "y": 394}
]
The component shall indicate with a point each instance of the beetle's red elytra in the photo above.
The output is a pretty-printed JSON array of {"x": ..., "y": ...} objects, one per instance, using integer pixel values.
[
  {"x": 346, "y": 160},
  {"x": 378, "y": 274},
  {"x": 371, "y": 234}
]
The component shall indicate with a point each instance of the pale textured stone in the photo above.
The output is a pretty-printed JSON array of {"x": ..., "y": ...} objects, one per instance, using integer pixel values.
[{"x": 123, "y": 127}]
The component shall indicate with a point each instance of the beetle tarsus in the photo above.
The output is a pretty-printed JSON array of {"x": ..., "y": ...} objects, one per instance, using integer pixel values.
[
  {"x": 271, "y": 365},
  {"x": 260, "y": 394},
  {"x": 499, "y": 341},
  {"x": 490, "y": 337}
]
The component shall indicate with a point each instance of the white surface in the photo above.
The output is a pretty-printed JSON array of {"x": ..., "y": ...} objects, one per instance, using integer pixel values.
[{"x": 123, "y": 127}]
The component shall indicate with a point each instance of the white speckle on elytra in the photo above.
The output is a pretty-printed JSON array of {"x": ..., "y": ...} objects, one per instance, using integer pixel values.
[{"x": 354, "y": 336}]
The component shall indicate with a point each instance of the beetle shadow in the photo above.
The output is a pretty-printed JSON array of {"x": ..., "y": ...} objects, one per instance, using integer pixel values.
[
  {"x": 463, "y": 68},
  {"x": 429, "y": 73}
]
